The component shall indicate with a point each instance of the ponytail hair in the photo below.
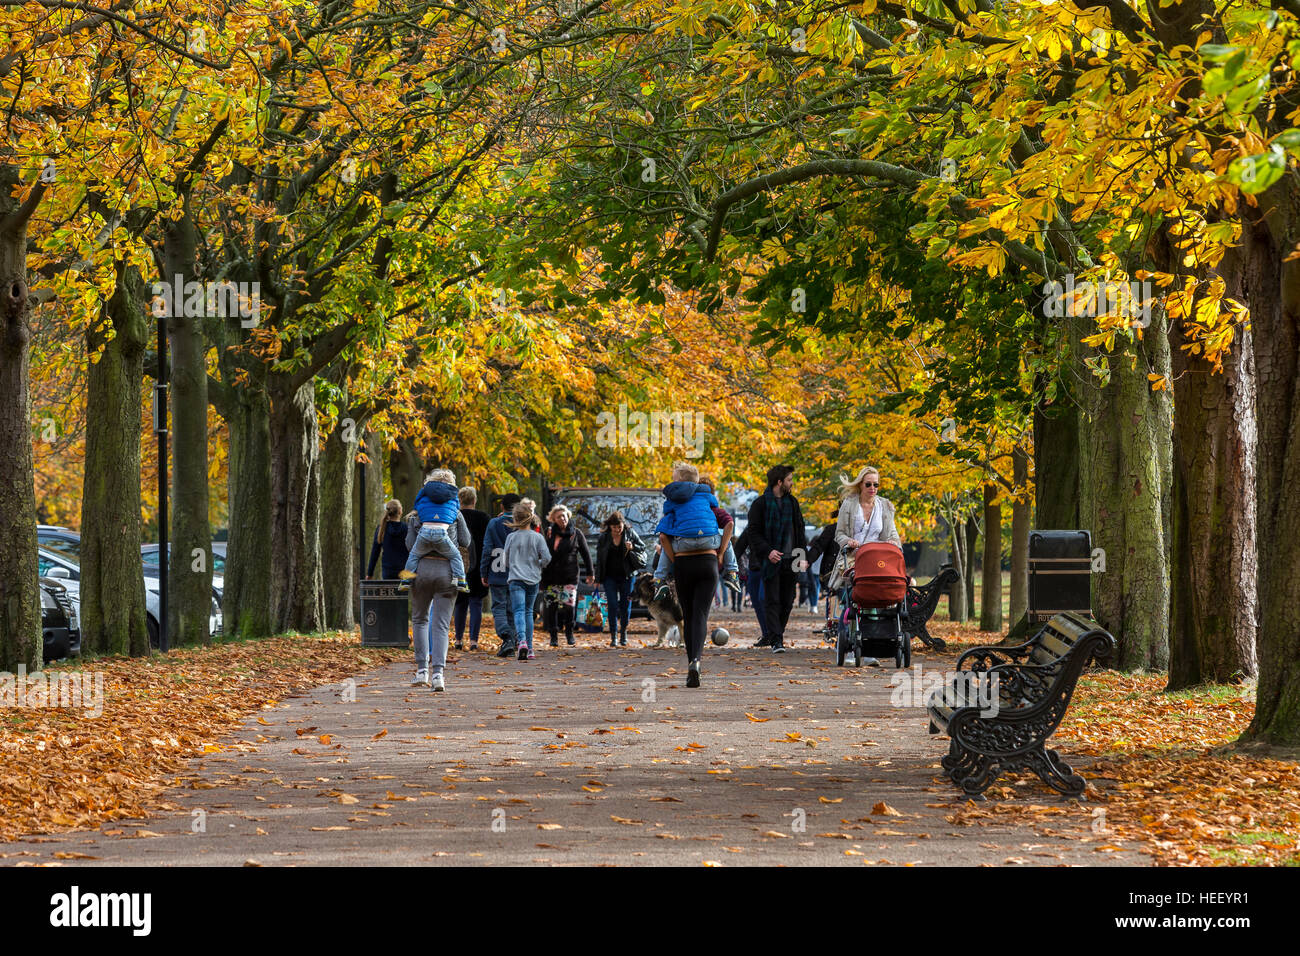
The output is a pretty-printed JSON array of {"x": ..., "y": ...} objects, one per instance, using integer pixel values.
[
  {"x": 392, "y": 512},
  {"x": 524, "y": 514}
]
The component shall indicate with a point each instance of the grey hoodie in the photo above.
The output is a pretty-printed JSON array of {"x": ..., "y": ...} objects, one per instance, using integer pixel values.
[{"x": 526, "y": 555}]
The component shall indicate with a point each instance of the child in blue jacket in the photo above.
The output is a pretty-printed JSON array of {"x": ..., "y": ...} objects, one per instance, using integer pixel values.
[
  {"x": 688, "y": 519},
  {"x": 438, "y": 505},
  {"x": 730, "y": 569}
]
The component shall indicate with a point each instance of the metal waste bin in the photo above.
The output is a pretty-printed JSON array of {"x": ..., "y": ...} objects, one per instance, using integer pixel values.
[
  {"x": 385, "y": 614},
  {"x": 1060, "y": 574}
]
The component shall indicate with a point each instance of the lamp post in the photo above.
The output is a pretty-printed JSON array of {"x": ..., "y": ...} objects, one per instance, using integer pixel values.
[{"x": 160, "y": 429}]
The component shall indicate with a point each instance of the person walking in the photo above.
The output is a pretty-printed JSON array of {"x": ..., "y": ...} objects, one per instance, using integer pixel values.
[
  {"x": 389, "y": 543},
  {"x": 567, "y": 545},
  {"x": 779, "y": 543},
  {"x": 822, "y": 552},
  {"x": 492, "y": 572},
  {"x": 433, "y": 598},
  {"x": 865, "y": 517},
  {"x": 526, "y": 557},
  {"x": 620, "y": 553},
  {"x": 471, "y": 605},
  {"x": 696, "y": 548},
  {"x": 754, "y": 584}
]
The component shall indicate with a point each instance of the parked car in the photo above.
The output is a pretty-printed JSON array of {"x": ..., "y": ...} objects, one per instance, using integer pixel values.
[
  {"x": 60, "y": 626},
  {"x": 149, "y": 554},
  {"x": 68, "y": 573},
  {"x": 60, "y": 540},
  {"x": 641, "y": 507}
]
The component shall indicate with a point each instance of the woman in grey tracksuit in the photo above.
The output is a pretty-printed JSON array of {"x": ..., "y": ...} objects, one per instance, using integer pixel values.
[{"x": 433, "y": 599}]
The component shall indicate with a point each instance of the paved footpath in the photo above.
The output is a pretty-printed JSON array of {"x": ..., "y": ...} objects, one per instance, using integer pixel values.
[{"x": 585, "y": 756}]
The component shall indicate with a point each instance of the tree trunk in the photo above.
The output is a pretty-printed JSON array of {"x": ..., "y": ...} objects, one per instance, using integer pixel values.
[
  {"x": 1121, "y": 470},
  {"x": 20, "y": 602},
  {"x": 297, "y": 601},
  {"x": 338, "y": 539},
  {"x": 1213, "y": 559},
  {"x": 113, "y": 615},
  {"x": 972, "y": 536},
  {"x": 246, "y": 601},
  {"x": 407, "y": 470},
  {"x": 957, "y": 593},
  {"x": 190, "y": 579},
  {"x": 1056, "y": 466},
  {"x": 1274, "y": 299},
  {"x": 991, "y": 596},
  {"x": 1021, "y": 512}
]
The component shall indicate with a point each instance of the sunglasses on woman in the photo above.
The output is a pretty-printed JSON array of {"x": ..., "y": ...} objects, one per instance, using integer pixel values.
[{"x": 871, "y": 484}]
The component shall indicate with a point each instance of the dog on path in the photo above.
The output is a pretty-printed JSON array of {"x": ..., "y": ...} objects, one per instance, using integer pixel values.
[{"x": 665, "y": 612}]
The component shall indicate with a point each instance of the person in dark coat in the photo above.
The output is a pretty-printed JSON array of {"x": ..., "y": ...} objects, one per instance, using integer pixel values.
[
  {"x": 568, "y": 546},
  {"x": 492, "y": 572},
  {"x": 390, "y": 542},
  {"x": 825, "y": 547},
  {"x": 614, "y": 570},
  {"x": 777, "y": 543},
  {"x": 471, "y": 605},
  {"x": 753, "y": 587}
]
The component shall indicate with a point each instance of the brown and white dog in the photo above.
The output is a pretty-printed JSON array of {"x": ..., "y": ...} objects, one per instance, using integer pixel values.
[{"x": 666, "y": 613}]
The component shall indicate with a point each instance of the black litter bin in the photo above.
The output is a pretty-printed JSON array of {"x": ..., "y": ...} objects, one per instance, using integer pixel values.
[
  {"x": 1060, "y": 574},
  {"x": 385, "y": 614}
]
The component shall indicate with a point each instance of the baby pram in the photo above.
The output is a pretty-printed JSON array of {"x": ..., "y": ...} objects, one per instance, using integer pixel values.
[{"x": 874, "y": 613}]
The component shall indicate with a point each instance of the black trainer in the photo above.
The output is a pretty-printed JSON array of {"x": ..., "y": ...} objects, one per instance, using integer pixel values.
[
  {"x": 693, "y": 673},
  {"x": 507, "y": 649},
  {"x": 778, "y": 647}
]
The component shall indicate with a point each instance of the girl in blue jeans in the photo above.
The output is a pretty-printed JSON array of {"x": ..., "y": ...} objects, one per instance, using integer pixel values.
[{"x": 526, "y": 555}]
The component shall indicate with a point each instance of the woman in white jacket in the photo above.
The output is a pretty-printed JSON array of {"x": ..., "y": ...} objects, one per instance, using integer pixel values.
[{"x": 865, "y": 516}]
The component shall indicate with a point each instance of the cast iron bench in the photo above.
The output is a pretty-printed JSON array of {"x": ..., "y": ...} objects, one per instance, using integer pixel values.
[
  {"x": 921, "y": 603},
  {"x": 1031, "y": 685}
]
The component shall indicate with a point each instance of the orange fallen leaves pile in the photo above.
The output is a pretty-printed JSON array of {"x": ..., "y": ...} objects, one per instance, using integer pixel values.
[
  {"x": 63, "y": 768},
  {"x": 1170, "y": 778}
]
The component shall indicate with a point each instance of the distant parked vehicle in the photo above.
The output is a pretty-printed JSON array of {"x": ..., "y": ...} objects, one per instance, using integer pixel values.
[
  {"x": 641, "y": 507},
  {"x": 68, "y": 573},
  {"x": 149, "y": 554},
  {"x": 60, "y": 540},
  {"x": 60, "y": 626}
]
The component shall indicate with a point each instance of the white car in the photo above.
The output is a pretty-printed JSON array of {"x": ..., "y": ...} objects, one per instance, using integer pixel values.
[{"x": 68, "y": 573}]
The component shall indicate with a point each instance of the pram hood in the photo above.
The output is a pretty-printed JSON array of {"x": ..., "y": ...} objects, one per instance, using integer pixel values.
[{"x": 879, "y": 575}]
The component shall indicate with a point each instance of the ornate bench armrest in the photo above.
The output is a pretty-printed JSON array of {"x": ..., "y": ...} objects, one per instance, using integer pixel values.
[
  {"x": 990, "y": 656},
  {"x": 1021, "y": 686}
]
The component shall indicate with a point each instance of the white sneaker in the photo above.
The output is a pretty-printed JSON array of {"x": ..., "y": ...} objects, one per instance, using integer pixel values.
[
  {"x": 421, "y": 678},
  {"x": 437, "y": 682},
  {"x": 870, "y": 662}
]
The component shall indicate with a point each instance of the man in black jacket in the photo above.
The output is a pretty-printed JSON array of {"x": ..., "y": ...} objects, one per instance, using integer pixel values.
[{"x": 778, "y": 550}]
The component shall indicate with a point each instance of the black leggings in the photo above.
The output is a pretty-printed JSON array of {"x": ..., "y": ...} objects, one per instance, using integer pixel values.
[{"x": 697, "y": 582}]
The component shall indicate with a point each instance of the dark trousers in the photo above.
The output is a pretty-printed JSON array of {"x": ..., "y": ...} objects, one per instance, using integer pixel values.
[
  {"x": 778, "y": 599},
  {"x": 697, "y": 580},
  {"x": 618, "y": 598},
  {"x": 474, "y": 606},
  {"x": 556, "y": 616}
]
